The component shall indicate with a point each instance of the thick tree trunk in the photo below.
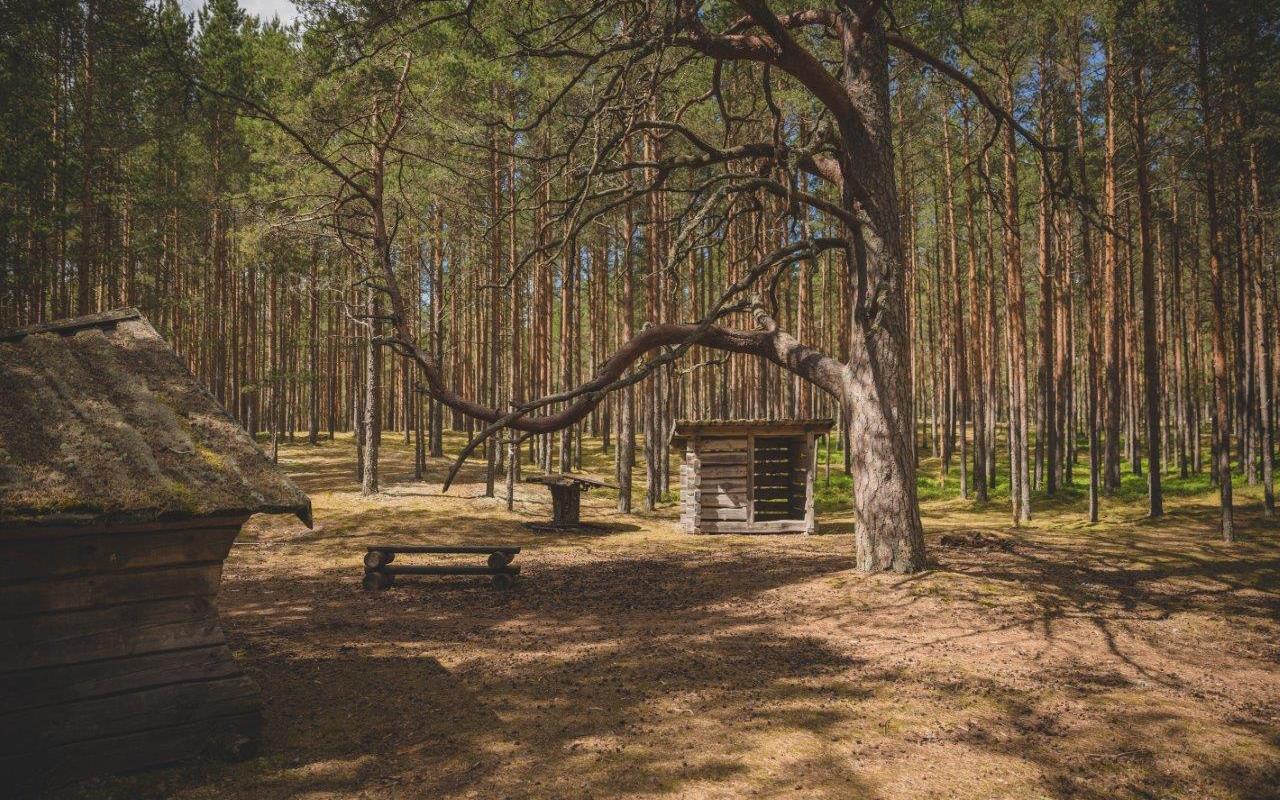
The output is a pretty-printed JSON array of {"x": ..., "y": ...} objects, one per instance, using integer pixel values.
[{"x": 878, "y": 384}]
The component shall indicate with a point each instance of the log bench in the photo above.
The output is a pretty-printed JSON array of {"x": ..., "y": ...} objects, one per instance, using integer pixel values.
[{"x": 379, "y": 573}]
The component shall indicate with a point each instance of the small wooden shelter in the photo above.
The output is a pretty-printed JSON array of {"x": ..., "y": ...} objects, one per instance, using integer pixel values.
[
  {"x": 123, "y": 483},
  {"x": 748, "y": 476}
]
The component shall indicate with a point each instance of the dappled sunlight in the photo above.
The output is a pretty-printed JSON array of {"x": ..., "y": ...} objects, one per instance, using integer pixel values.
[{"x": 1058, "y": 659}]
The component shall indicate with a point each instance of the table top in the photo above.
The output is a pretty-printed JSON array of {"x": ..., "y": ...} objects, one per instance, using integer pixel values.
[{"x": 569, "y": 479}]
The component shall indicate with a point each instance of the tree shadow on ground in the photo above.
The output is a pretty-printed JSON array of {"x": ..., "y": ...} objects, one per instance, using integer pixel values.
[{"x": 1125, "y": 661}]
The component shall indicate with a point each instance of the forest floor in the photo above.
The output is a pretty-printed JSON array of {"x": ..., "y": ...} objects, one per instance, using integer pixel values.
[{"x": 1061, "y": 660}]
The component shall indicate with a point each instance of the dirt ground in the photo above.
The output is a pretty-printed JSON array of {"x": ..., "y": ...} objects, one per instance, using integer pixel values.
[{"x": 1123, "y": 660}]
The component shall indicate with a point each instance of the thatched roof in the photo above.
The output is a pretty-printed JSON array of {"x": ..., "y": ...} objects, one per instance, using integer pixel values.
[{"x": 101, "y": 421}]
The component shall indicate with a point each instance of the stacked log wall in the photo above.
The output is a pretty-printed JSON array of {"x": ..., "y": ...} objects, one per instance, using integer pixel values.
[
  {"x": 112, "y": 657},
  {"x": 748, "y": 483}
]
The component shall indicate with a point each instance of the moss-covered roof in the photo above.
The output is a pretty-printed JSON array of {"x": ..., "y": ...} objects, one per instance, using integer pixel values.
[{"x": 100, "y": 420}]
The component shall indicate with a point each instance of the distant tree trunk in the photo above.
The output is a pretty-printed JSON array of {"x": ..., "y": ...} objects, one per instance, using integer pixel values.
[
  {"x": 88, "y": 146},
  {"x": 1111, "y": 286},
  {"x": 1262, "y": 341},
  {"x": 313, "y": 351},
  {"x": 1090, "y": 289},
  {"x": 568, "y": 287},
  {"x": 437, "y": 328},
  {"x": 372, "y": 422},
  {"x": 978, "y": 347},
  {"x": 1020, "y": 479},
  {"x": 960, "y": 347},
  {"x": 1047, "y": 441},
  {"x": 626, "y": 416},
  {"x": 515, "y": 375},
  {"x": 1150, "y": 346},
  {"x": 494, "y": 304},
  {"x": 1221, "y": 431}
]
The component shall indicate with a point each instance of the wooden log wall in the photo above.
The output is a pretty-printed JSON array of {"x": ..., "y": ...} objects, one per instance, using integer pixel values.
[
  {"x": 112, "y": 657},
  {"x": 747, "y": 484}
]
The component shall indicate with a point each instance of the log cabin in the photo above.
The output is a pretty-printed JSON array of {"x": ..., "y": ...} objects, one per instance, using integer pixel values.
[
  {"x": 123, "y": 484},
  {"x": 748, "y": 476}
]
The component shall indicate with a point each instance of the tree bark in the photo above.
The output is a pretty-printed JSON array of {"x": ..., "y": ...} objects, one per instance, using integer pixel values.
[
  {"x": 1150, "y": 346},
  {"x": 1020, "y": 476},
  {"x": 1111, "y": 287},
  {"x": 1221, "y": 431}
]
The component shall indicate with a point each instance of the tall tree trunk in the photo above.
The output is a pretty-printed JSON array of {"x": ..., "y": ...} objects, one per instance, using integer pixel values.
[
  {"x": 1150, "y": 347},
  {"x": 1090, "y": 289},
  {"x": 1111, "y": 286},
  {"x": 978, "y": 347},
  {"x": 1262, "y": 339},
  {"x": 372, "y": 422},
  {"x": 1020, "y": 477},
  {"x": 960, "y": 348},
  {"x": 878, "y": 386},
  {"x": 1221, "y": 431},
  {"x": 626, "y": 452},
  {"x": 1047, "y": 440}
]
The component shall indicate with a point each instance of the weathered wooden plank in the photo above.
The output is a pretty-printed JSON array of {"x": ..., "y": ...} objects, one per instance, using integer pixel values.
[
  {"x": 115, "y": 715},
  {"x": 428, "y": 548},
  {"x": 113, "y": 632},
  {"x": 709, "y": 459},
  {"x": 28, "y": 559},
  {"x": 724, "y": 513},
  {"x": 721, "y": 445},
  {"x": 68, "y": 682},
  {"x": 87, "y": 591},
  {"x": 716, "y": 473},
  {"x": 724, "y": 501},
  {"x": 227, "y": 735},
  {"x": 779, "y": 526},
  {"x": 724, "y": 498},
  {"x": 724, "y": 482},
  {"x": 436, "y": 569}
]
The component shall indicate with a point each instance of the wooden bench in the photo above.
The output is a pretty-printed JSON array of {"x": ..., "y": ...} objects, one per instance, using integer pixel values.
[
  {"x": 566, "y": 493},
  {"x": 380, "y": 574}
]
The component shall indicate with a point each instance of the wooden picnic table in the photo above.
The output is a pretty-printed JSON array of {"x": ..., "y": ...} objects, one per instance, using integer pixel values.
[{"x": 566, "y": 493}]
